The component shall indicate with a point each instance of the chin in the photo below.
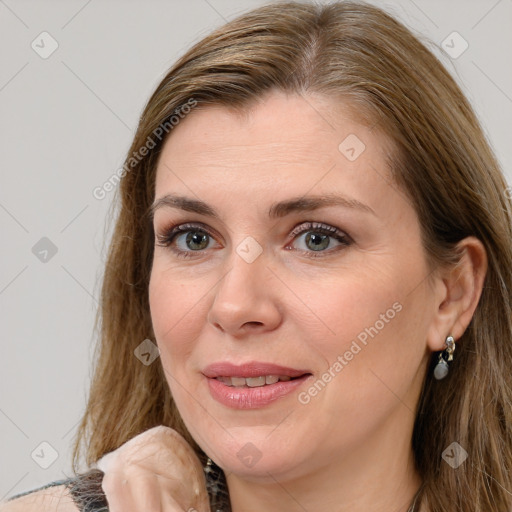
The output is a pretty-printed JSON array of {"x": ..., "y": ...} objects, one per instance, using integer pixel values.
[{"x": 251, "y": 453}]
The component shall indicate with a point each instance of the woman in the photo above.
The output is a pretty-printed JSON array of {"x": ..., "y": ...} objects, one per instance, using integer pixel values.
[{"x": 316, "y": 235}]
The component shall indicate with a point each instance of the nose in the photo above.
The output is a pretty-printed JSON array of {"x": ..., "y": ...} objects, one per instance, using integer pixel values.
[{"x": 246, "y": 298}]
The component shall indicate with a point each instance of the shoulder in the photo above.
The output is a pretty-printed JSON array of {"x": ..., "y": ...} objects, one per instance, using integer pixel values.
[
  {"x": 50, "y": 499},
  {"x": 82, "y": 493}
]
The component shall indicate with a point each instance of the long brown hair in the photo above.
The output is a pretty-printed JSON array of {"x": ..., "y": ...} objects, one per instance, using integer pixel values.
[{"x": 442, "y": 162}]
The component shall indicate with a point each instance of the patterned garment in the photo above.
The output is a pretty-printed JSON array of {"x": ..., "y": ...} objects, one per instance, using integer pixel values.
[
  {"x": 85, "y": 490},
  {"x": 88, "y": 494}
]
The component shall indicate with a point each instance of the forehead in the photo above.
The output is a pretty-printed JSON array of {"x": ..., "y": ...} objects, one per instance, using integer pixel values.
[{"x": 283, "y": 145}]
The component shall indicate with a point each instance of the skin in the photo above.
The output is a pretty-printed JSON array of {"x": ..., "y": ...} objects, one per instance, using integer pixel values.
[
  {"x": 155, "y": 467},
  {"x": 349, "y": 447}
]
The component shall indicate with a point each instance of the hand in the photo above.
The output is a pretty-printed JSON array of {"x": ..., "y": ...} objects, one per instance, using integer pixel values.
[{"x": 156, "y": 471}]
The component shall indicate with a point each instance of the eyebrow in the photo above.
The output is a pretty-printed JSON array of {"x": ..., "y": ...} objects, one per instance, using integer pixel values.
[{"x": 277, "y": 210}]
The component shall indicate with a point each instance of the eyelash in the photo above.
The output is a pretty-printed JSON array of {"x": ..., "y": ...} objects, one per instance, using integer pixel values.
[{"x": 167, "y": 237}]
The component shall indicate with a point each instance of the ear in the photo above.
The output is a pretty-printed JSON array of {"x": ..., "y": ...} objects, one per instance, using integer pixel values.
[{"x": 457, "y": 289}]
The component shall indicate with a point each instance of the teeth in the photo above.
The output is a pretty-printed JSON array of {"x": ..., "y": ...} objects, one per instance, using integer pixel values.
[
  {"x": 237, "y": 381},
  {"x": 225, "y": 380},
  {"x": 253, "y": 382}
]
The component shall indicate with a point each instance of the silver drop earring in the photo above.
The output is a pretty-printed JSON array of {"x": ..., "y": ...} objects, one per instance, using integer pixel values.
[{"x": 446, "y": 356}]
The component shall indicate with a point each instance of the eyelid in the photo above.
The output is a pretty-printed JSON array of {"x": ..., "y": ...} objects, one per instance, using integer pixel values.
[
  {"x": 175, "y": 229},
  {"x": 169, "y": 234},
  {"x": 310, "y": 225}
]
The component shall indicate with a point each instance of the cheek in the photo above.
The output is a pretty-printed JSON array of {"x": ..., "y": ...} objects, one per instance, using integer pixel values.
[
  {"x": 345, "y": 306},
  {"x": 174, "y": 306},
  {"x": 377, "y": 368},
  {"x": 376, "y": 321}
]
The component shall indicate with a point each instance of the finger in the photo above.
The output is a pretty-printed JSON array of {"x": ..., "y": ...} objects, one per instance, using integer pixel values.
[
  {"x": 104, "y": 463},
  {"x": 140, "y": 492},
  {"x": 118, "y": 493},
  {"x": 169, "y": 504},
  {"x": 146, "y": 493},
  {"x": 119, "y": 498},
  {"x": 188, "y": 496},
  {"x": 202, "y": 502}
]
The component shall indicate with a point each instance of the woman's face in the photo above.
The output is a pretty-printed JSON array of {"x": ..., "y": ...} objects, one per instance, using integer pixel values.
[{"x": 334, "y": 293}]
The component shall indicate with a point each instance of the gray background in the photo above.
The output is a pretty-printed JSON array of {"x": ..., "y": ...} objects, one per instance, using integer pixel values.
[{"x": 66, "y": 124}]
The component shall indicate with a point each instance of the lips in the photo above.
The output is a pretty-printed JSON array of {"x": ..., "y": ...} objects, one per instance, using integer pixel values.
[
  {"x": 252, "y": 385},
  {"x": 253, "y": 369}
]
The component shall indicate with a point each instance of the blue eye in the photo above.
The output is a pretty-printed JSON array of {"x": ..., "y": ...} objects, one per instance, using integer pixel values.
[
  {"x": 195, "y": 238},
  {"x": 319, "y": 236},
  {"x": 196, "y": 235}
]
